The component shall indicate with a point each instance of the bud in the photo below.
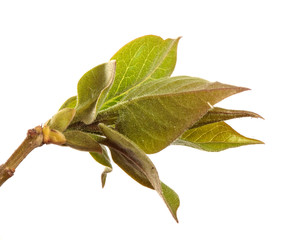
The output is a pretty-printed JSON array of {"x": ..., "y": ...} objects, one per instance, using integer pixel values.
[{"x": 53, "y": 136}]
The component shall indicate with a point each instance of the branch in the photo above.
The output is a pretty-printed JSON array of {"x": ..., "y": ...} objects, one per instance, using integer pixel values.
[{"x": 33, "y": 140}]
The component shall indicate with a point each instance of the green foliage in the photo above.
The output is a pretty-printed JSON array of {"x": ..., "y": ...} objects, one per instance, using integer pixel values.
[
  {"x": 144, "y": 59},
  {"x": 62, "y": 119},
  {"x": 131, "y": 106},
  {"x": 214, "y": 137},
  {"x": 92, "y": 90},
  {"x": 165, "y": 108}
]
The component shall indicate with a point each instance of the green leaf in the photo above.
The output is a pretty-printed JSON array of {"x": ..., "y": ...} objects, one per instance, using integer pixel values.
[
  {"x": 172, "y": 199},
  {"x": 161, "y": 110},
  {"x": 82, "y": 141},
  {"x": 130, "y": 167},
  {"x": 103, "y": 159},
  {"x": 92, "y": 89},
  {"x": 214, "y": 137},
  {"x": 143, "y": 59},
  {"x": 137, "y": 164},
  {"x": 70, "y": 103},
  {"x": 62, "y": 119},
  {"x": 220, "y": 114}
]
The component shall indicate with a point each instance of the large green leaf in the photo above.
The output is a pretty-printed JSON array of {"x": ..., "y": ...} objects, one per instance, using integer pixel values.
[
  {"x": 103, "y": 159},
  {"x": 143, "y": 59},
  {"x": 217, "y": 114},
  {"x": 161, "y": 110},
  {"x": 138, "y": 165},
  {"x": 92, "y": 89},
  {"x": 214, "y": 137}
]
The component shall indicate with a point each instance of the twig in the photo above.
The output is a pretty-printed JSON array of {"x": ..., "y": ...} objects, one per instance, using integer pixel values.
[{"x": 33, "y": 140}]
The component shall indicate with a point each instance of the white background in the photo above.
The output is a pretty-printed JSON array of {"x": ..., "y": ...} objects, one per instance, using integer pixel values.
[{"x": 46, "y": 46}]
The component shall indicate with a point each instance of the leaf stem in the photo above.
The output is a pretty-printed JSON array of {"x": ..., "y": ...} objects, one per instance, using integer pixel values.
[{"x": 33, "y": 140}]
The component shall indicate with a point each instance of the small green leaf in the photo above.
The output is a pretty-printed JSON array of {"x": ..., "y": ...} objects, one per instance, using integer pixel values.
[
  {"x": 143, "y": 59},
  {"x": 92, "y": 89},
  {"x": 214, "y": 137},
  {"x": 70, "y": 103},
  {"x": 82, "y": 141},
  {"x": 161, "y": 110},
  {"x": 217, "y": 114},
  {"x": 62, "y": 119},
  {"x": 171, "y": 199},
  {"x": 103, "y": 159},
  {"x": 137, "y": 165}
]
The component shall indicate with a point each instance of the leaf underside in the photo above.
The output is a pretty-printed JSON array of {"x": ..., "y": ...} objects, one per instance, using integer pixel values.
[
  {"x": 217, "y": 114},
  {"x": 137, "y": 164}
]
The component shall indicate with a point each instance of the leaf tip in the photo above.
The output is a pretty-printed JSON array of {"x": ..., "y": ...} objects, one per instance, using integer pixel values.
[
  {"x": 243, "y": 89},
  {"x": 259, "y": 142},
  {"x": 259, "y": 116},
  {"x": 103, "y": 180}
]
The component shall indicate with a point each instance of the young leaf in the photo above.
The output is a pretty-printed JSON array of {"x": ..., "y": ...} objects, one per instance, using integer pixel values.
[
  {"x": 137, "y": 165},
  {"x": 70, "y": 103},
  {"x": 214, "y": 137},
  {"x": 171, "y": 199},
  {"x": 217, "y": 114},
  {"x": 143, "y": 59},
  {"x": 62, "y": 119},
  {"x": 82, "y": 141},
  {"x": 103, "y": 159},
  {"x": 163, "y": 109},
  {"x": 130, "y": 167},
  {"x": 92, "y": 89}
]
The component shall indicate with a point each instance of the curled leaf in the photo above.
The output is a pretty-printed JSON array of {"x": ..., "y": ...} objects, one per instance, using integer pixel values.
[
  {"x": 103, "y": 159},
  {"x": 138, "y": 165},
  {"x": 214, "y": 137},
  {"x": 92, "y": 89}
]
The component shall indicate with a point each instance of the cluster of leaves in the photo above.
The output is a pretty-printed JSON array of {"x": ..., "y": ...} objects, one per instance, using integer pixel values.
[{"x": 131, "y": 107}]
